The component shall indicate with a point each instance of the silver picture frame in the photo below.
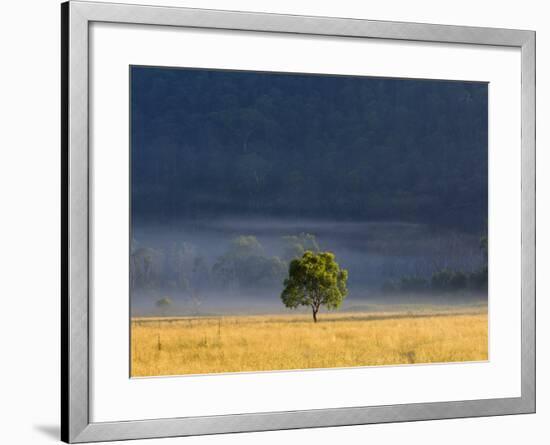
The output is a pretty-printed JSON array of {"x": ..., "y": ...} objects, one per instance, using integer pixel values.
[{"x": 76, "y": 18}]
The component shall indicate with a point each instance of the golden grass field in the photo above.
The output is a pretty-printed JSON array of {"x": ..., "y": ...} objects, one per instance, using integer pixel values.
[{"x": 186, "y": 345}]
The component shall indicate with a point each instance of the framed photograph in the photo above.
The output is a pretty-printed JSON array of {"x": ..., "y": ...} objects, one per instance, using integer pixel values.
[{"x": 277, "y": 222}]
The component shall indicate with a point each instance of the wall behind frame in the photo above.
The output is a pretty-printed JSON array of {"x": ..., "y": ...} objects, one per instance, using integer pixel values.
[{"x": 29, "y": 230}]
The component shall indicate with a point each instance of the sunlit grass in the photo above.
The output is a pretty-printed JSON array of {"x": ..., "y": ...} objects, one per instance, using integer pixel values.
[{"x": 173, "y": 346}]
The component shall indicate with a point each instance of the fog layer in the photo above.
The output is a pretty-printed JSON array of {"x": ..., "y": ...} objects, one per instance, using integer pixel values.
[{"x": 240, "y": 265}]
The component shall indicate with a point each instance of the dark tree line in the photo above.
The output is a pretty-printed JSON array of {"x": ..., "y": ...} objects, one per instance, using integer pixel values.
[
  {"x": 215, "y": 143},
  {"x": 444, "y": 280}
]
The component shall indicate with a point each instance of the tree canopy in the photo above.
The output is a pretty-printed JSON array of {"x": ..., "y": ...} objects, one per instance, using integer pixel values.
[
  {"x": 296, "y": 245},
  {"x": 315, "y": 280},
  {"x": 246, "y": 264}
]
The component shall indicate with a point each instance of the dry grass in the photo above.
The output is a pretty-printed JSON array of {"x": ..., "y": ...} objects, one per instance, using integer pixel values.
[{"x": 172, "y": 346}]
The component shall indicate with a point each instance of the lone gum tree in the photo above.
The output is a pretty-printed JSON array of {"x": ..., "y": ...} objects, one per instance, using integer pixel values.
[{"x": 315, "y": 280}]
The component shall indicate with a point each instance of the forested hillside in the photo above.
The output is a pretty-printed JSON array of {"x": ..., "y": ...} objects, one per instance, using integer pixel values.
[{"x": 220, "y": 144}]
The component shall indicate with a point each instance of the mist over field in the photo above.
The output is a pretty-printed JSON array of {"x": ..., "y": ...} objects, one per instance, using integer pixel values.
[{"x": 184, "y": 259}]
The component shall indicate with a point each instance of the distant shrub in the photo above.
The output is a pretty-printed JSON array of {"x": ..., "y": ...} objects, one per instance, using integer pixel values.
[
  {"x": 164, "y": 304},
  {"x": 413, "y": 283},
  {"x": 447, "y": 280},
  {"x": 478, "y": 279},
  {"x": 459, "y": 280},
  {"x": 444, "y": 280}
]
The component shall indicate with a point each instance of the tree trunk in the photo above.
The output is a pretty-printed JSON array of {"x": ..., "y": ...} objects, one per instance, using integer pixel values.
[{"x": 315, "y": 314}]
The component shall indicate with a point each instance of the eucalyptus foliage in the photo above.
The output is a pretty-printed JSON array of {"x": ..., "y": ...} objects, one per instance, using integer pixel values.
[{"x": 315, "y": 280}]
